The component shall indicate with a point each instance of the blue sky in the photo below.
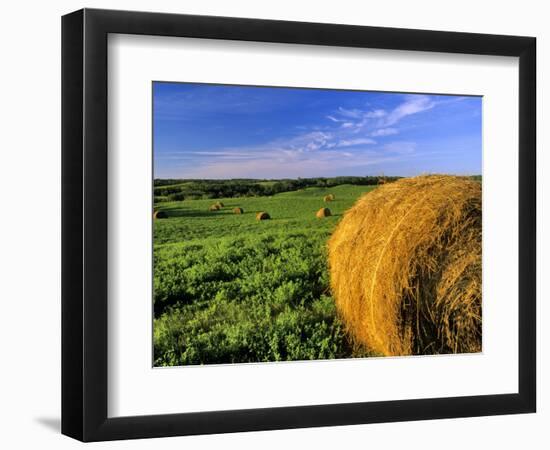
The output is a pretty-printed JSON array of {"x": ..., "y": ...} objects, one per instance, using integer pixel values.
[{"x": 219, "y": 131}]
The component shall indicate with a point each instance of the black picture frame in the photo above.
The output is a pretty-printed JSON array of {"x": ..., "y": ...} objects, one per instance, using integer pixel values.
[{"x": 84, "y": 224}]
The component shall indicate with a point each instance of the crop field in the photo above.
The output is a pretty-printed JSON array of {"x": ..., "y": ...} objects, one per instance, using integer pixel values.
[
  {"x": 229, "y": 288},
  {"x": 312, "y": 224}
]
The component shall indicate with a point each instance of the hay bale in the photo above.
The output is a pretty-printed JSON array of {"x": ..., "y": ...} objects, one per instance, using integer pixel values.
[
  {"x": 405, "y": 267},
  {"x": 160, "y": 215},
  {"x": 262, "y": 216},
  {"x": 329, "y": 198},
  {"x": 214, "y": 207},
  {"x": 238, "y": 210},
  {"x": 381, "y": 181},
  {"x": 323, "y": 212},
  {"x": 220, "y": 204}
]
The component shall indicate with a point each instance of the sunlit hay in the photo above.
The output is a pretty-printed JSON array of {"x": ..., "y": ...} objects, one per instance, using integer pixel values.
[
  {"x": 323, "y": 212},
  {"x": 160, "y": 215},
  {"x": 405, "y": 267},
  {"x": 238, "y": 210},
  {"x": 329, "y": 198},
  {"x": 214, "y": 207},
  {"x": 262, "y": 216}
]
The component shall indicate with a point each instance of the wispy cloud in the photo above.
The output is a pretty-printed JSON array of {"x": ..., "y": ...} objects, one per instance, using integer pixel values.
[
  {"x": 299, "y": 156},
  {"x": 305, "y": 139},
  {"x": 377, "y": 113},
  {"x": 414, "y": 104},
  {"x": 384, "y": 132},
  {"x": 358, "y": 141},
  {"x": 354, "y": 127},
  {"x": 379, "y": 122},
  {"x": 282, "y": 164},
  {"x": 351, "y": 113},
  {"x": 318, "y": 150}
]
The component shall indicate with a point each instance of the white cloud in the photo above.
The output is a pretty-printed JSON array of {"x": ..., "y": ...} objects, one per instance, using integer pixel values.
[
  {"x": 282, "y": 164},
  {"x": 351, "y": 142},
  {"x": 384, "y": 132},
  {"x": 413, "y": 104},
  {"x": 377, "y": 113},
  {"x": 308, "y": 141},
  {"x": 378, "y": 122},
  {"x": 351, "y": 113},
  {"x": 321, "y": 150}
]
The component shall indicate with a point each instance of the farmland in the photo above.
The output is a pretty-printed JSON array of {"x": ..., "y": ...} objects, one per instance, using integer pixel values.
[{"x": 229, "y": 288}]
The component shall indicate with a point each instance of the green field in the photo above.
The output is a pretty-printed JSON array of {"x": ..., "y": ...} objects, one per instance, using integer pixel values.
[{"x": 228, "y": 288}]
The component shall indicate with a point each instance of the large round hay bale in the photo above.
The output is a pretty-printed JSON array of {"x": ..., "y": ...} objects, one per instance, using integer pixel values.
[
  {"x": 214, "y": 207},
  {"x": 238, "y": 210},
  {"x": 220, "y": 204},
  {"x": 405, "y": 267},
  {"x": 323, "y": 212},
  {"x": 329, "y": 198},
  {"x": 160, "y": 215},
  {"x": 262, "y": 216}
]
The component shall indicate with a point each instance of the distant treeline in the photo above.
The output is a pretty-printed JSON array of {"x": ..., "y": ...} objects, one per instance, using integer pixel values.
[{"x": 177, "y": 190}]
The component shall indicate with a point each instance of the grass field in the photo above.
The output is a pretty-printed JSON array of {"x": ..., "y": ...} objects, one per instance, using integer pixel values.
[{"x": 228, "y": 288}]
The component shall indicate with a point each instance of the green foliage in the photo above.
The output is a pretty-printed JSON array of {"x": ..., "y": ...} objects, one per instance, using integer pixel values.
[
  {"x": 178, "y": 190},
  {"x": 228, "y": 288}
]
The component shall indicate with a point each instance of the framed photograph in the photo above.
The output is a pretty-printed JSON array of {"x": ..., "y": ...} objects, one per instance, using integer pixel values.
[{"x": 273, "y": 225}]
